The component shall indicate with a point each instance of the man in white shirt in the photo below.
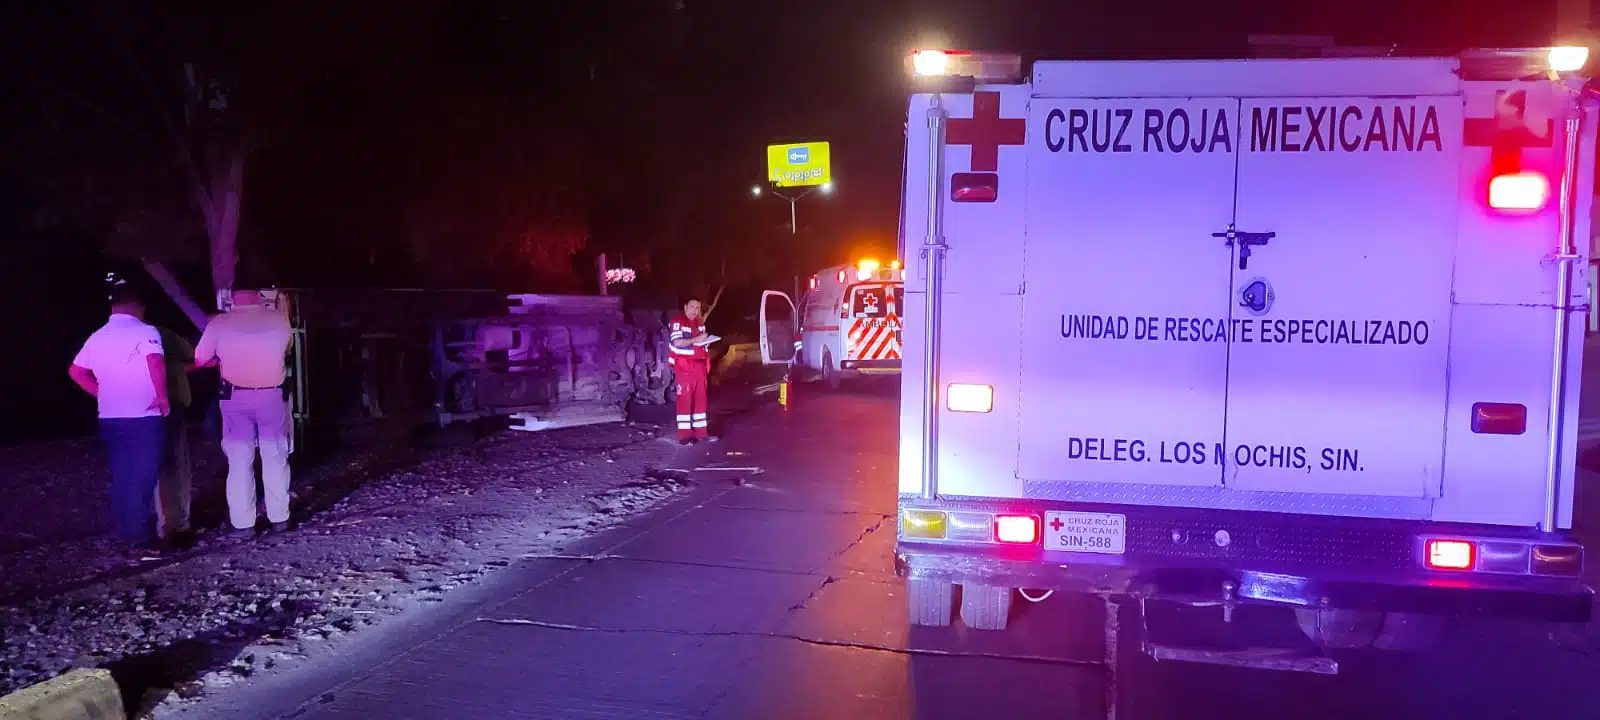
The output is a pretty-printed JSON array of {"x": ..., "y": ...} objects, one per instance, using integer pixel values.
[
  {"x": 122, "y": 366},
  {"x": 249, "y": 344}
]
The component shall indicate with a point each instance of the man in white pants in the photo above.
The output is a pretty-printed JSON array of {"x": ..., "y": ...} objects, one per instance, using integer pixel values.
[{"x": 249, "y": 344}]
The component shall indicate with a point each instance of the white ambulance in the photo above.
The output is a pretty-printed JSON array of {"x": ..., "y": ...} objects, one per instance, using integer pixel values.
[
  {"x": 1295, "y": 332},
  {"x": 847, "y": 322}
]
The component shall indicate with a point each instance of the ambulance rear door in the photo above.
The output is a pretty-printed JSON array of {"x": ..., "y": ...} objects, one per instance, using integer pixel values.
[
  {"x": 873, "y": 326},
  {"x": 1337, "y": 376},
  {"x": 1125, "y": 317},
  {"x": 778, "y": 328}
]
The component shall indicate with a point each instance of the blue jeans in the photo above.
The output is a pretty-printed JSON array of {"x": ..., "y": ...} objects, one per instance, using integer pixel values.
[{"x": 134, "y": 449}]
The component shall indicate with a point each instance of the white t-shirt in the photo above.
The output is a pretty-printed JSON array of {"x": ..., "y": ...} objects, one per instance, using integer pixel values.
[
  {"x": 251, "y": 344},
  {"x": 116, "y": 354}
]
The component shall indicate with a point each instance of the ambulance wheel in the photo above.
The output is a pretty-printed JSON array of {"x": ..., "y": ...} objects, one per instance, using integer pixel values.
[
  {"x": 931, "y": 602},
  {"x": 830, "y": 373},
  {"x": 985, "y": 607}
]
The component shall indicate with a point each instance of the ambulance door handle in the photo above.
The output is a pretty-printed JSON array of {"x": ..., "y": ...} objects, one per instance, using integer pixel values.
[{"x": 1245, "y": 240}]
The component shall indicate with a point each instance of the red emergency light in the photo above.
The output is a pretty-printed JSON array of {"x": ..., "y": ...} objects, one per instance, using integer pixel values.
[{"x": 1525, "y": 191}]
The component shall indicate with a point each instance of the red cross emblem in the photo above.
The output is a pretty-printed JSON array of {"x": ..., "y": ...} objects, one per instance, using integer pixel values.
[
  {"x": 1510, "y": 127},
  {"x": 986, "y": 131},
  {"x": 1508, "y": 131},
  {"x": 1055, "y": 524}
]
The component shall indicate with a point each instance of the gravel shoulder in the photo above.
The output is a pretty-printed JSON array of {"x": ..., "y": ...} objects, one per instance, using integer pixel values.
[{"x": 229, "y": 609}]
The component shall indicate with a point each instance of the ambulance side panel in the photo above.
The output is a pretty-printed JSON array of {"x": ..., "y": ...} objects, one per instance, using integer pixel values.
[
  {"x": 913, "y": 231},
  {"x": 981, "y": 329},
  {"x": 1504, "y": 322}
]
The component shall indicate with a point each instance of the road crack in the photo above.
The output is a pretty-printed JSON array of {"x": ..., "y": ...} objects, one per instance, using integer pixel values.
[
  {"x": 846, "y": 644},
  {"x": 830, "y": 579}
]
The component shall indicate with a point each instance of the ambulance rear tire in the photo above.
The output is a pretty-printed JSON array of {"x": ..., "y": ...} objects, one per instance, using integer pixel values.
[
  {"x": 985, "y": 607},
  {"x": 931, "y": 601},
  {"x": 830, "y": 372}
]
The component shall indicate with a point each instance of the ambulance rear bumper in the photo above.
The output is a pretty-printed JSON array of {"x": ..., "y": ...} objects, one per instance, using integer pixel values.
[
  {"x": 1512, "y": 597},
  {"x": 871, "y": 367}
]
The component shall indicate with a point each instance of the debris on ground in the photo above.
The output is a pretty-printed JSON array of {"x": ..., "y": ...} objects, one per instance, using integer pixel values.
[{"x": 228, "y": 608}]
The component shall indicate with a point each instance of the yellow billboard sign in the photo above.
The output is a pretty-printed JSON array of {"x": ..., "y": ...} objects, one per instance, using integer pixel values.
[{"x": 799, "y": 164}]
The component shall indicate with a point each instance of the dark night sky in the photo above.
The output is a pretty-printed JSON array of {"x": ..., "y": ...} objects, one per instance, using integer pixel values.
[
  {"x": 660, "y": 115},
  {"x": 391, "y": 98}
]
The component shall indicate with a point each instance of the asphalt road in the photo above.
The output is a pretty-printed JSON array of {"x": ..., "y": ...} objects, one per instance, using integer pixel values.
[{"x": 775, "y": 598}]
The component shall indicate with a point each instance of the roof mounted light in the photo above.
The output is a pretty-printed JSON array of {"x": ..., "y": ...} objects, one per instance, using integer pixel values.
[
  {"x": 1504, "y": 64},
  {"x": 1568, "y": 58},
  {"x": 982, "y": 67},
  {"x": 930, "y": 62}
]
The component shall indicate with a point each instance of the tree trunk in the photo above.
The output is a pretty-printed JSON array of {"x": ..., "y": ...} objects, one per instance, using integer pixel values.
[
  {"x": 722, "y": 284},
  {"x": 220, "y": 206}
]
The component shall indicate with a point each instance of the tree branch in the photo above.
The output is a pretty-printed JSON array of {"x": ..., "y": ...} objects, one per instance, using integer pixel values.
[
  {"x": 714, "y": 300},
  {"x": 109, "y": 116},
  {"x": 180, "y": 146},
  {"x": 170, "y": 285}
]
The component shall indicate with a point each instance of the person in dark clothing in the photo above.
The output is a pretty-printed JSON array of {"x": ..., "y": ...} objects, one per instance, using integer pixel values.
[{"x": 122, "y": 365}]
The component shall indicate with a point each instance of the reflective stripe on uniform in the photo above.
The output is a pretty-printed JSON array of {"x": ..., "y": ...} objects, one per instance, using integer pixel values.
[{"x": 699, "y": 420}]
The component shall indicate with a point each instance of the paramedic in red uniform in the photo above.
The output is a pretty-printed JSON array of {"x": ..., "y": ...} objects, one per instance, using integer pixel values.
[{"x": 691, "y": 364}]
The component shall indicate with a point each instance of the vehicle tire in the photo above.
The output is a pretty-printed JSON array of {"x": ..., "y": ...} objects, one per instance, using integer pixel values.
[
  {"x": 931, "y": 602},
  {"x": 1340, "y": 629},
  {"x": 985, "y": 607},
  {"x": 830, "y": 373}
]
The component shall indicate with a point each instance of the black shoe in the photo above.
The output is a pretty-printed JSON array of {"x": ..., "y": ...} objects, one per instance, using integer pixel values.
[
  {"x": 279, "y": 527},
  {"x": 686, "y": 443}
]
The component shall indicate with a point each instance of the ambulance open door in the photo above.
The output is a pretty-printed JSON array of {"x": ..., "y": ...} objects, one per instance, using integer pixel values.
[{"x": 777, "y": 328}]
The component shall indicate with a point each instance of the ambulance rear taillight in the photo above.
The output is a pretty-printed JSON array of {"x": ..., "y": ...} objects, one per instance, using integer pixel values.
[
  {"x": 968, "y": 398},
  {"x": 1451, "y": 554},
  {"x": 1505, "y": 556},
  {"x": 1016, "y": 529}
]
